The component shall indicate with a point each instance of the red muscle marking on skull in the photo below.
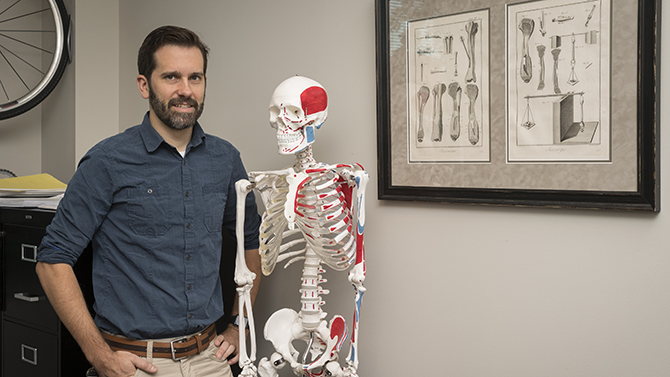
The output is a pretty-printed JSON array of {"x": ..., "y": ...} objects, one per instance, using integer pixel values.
[{"x": 314, "y": 100}]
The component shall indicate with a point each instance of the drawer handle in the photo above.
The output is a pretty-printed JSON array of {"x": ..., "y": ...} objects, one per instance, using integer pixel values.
[
  {"x": 29, "y": 354},
  {"x": 28, "y": 253},
  {"x": 26, "y": 297}
]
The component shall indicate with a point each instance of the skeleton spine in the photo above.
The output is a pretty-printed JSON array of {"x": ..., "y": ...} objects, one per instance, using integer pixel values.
[{"x": 310, "y": 290}]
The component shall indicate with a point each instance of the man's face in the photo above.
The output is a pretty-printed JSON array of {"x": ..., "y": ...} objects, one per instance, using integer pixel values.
[{"x": 177, "y": 86}]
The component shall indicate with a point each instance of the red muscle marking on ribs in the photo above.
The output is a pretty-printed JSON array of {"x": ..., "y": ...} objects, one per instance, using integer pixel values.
[
  {"x": 347, "y": 192},
  {"x": 295, "y": 201}
]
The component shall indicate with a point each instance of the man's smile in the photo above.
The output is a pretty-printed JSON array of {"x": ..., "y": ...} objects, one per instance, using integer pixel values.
[{"x": 183, "y": 106}]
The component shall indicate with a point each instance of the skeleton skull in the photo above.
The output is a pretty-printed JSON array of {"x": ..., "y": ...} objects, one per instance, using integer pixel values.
[{"x": 297, "y": 106}]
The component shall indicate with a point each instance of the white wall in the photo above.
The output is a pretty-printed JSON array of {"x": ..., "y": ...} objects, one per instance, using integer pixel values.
[{"x": 452, "y": 290}]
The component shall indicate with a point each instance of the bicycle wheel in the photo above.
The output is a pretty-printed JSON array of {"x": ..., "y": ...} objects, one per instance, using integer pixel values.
[{"x": 34, "y": 41}]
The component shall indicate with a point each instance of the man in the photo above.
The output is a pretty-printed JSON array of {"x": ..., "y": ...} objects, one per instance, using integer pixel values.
[{"x": 152, "y": 201}]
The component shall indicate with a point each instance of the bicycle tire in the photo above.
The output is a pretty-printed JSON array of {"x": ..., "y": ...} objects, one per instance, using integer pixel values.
[{"x": 56, "y": 69}]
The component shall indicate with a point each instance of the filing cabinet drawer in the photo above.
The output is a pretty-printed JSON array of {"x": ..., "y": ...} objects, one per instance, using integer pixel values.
[
  {"x": 24, "y": 297},
  {"x": 28, "y": 352}
]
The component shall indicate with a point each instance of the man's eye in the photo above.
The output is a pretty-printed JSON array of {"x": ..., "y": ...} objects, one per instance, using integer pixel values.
[{"x": 169, "y": 77}]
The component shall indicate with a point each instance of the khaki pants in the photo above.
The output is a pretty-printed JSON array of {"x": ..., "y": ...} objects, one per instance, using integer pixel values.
[{"x": 204, "y": 364}]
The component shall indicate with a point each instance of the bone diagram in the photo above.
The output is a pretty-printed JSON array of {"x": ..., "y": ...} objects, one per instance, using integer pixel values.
[
  {"x": 526, "y": 26},
  {"x": 422, "y": 98},
  {"x": 563, "y": 31},
  {"x": 540, "y": 53},
  {"x": 455, "y": 125},
  {"x": 471, "y": 29},
  {"x": 438, "y": 91},
  {"x": 555, "y": 53},
  {"x": 472, "y": 91}
]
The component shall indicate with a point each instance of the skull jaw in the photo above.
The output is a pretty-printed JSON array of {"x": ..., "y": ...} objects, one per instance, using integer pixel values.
[{"x": 292, "y": 143}]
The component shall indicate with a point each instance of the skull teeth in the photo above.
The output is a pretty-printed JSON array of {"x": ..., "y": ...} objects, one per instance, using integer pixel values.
[{"x": 289, "y": 138}]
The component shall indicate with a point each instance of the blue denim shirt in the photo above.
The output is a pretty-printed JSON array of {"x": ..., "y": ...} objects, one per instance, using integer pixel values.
[{"x": 154, "y": 220}]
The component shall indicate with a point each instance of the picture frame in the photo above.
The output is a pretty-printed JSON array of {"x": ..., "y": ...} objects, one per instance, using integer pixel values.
[{"x": 459, "y": 84}]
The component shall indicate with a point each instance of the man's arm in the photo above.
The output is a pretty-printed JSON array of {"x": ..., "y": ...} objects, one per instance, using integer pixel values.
[
  {"x": 62, "y": 289},
  {"x": 231, "y": 335}
]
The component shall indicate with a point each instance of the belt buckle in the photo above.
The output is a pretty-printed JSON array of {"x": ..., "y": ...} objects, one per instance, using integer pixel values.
[{"x": 173, "y": 351}]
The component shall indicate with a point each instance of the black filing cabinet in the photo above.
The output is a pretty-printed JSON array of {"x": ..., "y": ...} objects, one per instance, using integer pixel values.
[{"x": 34, "y": 342}]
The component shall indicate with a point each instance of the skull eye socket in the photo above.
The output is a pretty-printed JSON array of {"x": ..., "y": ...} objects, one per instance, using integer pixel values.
[
  {"x": 293, "y": 113},
  {"x": 274, "y": 114}
]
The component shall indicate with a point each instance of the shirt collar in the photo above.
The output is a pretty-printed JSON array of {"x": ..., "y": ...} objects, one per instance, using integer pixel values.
[{"x": 152, "y": 139}]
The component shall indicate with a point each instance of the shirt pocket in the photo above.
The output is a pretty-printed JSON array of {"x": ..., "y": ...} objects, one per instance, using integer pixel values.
[
  {"x": 149, "y": 212},
  {"x": 215, "y": 204}
]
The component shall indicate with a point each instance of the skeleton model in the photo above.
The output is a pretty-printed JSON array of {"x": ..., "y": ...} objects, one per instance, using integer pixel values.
[{"x": 314, "y": 213}]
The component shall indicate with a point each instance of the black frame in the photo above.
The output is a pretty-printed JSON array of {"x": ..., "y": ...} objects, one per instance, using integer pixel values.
[{"x": 646, "y": 198}]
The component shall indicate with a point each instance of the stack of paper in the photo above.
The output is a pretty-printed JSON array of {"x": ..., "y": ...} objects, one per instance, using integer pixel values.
[{"x": 37, "y": 191}]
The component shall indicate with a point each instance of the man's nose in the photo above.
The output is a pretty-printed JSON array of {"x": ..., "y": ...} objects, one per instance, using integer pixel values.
[{"x": 184, "y": 88}]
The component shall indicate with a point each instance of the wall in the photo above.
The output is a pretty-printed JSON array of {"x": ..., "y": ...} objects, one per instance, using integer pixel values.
[
  {"x": 452, "y": 290},
  {"x": 81, "y": 110}
]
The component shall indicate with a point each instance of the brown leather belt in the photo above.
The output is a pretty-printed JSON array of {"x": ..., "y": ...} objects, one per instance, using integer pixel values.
[{"x": 176, "y": 349}]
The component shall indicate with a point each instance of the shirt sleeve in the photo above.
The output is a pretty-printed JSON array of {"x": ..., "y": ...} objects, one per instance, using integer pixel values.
[
  {"x": 84, "y": 206},
  {"x": 252, "y": 219}
]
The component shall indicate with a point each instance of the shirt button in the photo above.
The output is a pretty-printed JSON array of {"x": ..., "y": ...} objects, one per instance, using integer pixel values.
[
  {"x": 190, "y": 316},
  {"x": 186, "y": 194},
  {"x": 189, "y": 287},
  {"x": 188, "y": 225},
  {"x": 188, "y": 257}
]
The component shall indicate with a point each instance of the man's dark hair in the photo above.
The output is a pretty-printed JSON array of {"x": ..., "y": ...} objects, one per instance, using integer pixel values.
[{"x": 164, "y": 36}]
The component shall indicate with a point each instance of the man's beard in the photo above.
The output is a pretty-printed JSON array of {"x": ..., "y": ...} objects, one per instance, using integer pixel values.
[{"x": 172, "y": 119}]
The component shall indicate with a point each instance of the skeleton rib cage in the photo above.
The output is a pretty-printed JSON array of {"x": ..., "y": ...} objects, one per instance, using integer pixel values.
[{"x": 321, "y": 203}]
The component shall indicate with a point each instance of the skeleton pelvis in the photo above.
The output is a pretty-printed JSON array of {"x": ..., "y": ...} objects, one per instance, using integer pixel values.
[{"x": 285, "y": 325}]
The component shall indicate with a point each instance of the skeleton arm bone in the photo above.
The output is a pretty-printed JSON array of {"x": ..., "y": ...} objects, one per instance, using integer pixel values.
[
  {"x": 358, "y": 178},
  {"x": 244, "y": 278},
  {"x": 357, "y": 274}
]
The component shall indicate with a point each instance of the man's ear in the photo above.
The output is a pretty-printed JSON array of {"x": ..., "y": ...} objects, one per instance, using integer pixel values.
[{"x": 143, "y": 86}]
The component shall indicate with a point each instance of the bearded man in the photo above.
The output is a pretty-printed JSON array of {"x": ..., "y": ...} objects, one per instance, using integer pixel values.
[{"x": 152, "y": 202}]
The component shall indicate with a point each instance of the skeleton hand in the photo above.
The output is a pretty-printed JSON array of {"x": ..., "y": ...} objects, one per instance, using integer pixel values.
[
  {"x": 357, "y": 277},
  {"x": 248, "y": 370}
]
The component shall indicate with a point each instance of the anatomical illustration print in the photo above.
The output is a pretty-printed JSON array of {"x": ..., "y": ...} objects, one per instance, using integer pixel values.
[
  {"x": 448, "y": 88},
  {"x": 558, "y": 77}
]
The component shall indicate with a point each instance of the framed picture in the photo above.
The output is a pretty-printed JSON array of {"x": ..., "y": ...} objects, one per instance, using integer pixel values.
[{"x": 547, "y": 103}]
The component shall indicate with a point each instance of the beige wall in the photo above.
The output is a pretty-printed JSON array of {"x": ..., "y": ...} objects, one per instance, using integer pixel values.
[
  {"x": 82, "y": 109},
  {"x": 452, "y": 290}
]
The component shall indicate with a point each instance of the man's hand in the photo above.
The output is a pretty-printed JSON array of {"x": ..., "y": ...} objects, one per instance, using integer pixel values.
[
  {"x": 228, "y": 344},
  {"x": 123, "y": 364}
]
